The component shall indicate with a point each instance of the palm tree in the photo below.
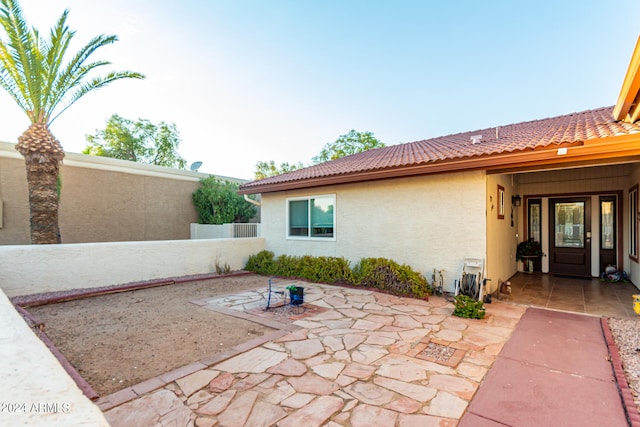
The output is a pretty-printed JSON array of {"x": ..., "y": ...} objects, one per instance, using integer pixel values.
[{"x": 34, "y": 75}]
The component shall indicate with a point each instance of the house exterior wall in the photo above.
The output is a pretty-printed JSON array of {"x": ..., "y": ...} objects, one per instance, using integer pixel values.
[
  {"x": 426, "y": 222},
  {"x": 631, "y": 266},
  {"x": 102, "y": 200},
  {"x": 109, "y": 206},
  {"x": 502, "y": 237}
]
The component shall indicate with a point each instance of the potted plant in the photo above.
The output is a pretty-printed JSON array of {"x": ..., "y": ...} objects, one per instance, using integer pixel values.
[
  {"x": 527, "y": 251},
  {"x": 296, "y": 294}
]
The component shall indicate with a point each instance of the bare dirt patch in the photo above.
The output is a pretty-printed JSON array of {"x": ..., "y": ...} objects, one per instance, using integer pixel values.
[{"x": 118, "y": 340}]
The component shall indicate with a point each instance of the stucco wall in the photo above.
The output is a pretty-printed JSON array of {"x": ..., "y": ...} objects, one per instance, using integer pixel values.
[
  {"x": 427, "y": 222},
  {"x": 103, "y": 200},
  {"x": 35, "y": 388},
  {"x": 501, "y": 234},
  {"x": 33, "y": 269},
  {"x": 631, "y": 267}
]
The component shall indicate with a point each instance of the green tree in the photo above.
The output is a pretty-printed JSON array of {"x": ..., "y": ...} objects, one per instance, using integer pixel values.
[
  {"x": 34, "y": 73},
  {"x": 267, "y": 169},
  {"x": 347, "y": 144},
  {"x": 218, "y": 202},
  {"x": 140, "y": 141},
  {"x": 350, "y": 143}
]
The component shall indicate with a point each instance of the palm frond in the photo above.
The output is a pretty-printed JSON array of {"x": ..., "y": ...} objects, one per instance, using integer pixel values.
[
  {"x": 60, "y": 39},
  {"x": 34, "y": 72},
  {"x": 97, "y": 83},
  {"x": 23, "y": 48},
  {"x": 14, "y": 92}
]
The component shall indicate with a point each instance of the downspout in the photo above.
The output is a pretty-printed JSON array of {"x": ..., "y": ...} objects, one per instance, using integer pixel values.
[{"x": 253, "y": 202}]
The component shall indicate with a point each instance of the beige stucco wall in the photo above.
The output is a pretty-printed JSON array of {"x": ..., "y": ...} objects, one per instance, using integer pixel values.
[
  {"x": 502, "y": 238},
  {"x": 36, "y": 390},
  {"x": 103, "y": 200},
  {"x": 29, "y": 269},
  {"x": 427, "y": 222},
  {"x": 631, "y": 267}
]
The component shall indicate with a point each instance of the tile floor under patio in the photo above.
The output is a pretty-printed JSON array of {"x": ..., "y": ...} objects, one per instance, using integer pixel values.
[{"x": 579, "y": 295}]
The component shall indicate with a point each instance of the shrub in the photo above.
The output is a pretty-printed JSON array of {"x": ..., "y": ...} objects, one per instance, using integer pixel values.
[
  {"x": 468, "y": 307},
  {"x": 379, "y": 273},
  {"x": 261, "y": 263},
  {"x": 388, "y": 275},
  {"x": 327, "y": 269},
  {"x": 217, "y": 202}
]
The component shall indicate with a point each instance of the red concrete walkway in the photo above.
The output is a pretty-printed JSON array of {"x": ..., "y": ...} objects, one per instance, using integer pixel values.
[{"x": 553, "y": 371}]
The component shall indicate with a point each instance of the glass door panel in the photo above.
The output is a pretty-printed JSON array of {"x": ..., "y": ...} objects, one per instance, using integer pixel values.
[
  {"x": 607, "y": 222},
  {"x": 569, "y": 225},
  {"x": 535, "y": 219}
]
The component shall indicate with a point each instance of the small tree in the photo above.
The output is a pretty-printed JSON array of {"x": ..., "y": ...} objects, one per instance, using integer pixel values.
[
  {"x": 140, "y": 141},
  {"x": 267, "y": 169},
  {"x": 218, "y": 202},
  {"x": 350, "y": 143},
  {"x": 44, "y": 78},
  {"x": 347, "y": 144}
]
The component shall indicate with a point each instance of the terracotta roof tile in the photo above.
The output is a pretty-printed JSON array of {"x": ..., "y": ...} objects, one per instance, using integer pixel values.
[{"x": 570, "y": 128}]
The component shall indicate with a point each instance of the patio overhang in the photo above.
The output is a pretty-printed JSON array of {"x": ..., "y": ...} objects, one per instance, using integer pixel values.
[
  {"x": 592, "y": 152},
  {"x": 628, "y": 106}
]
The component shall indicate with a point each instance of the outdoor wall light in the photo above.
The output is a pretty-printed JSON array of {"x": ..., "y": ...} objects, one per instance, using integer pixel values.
[{"x": 516, "y": 200}]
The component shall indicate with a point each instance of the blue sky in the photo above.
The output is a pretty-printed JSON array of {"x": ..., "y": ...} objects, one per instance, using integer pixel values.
[{"x": 246, "y": 81}]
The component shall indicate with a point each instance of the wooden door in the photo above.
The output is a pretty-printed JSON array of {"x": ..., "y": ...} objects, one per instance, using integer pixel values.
[{"x": 570, "y": 236}]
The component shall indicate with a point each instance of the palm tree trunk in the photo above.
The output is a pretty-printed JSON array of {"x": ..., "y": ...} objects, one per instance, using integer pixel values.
[
  {"x": 43, "y": 155},
  {"x": 42, "y": 180}
]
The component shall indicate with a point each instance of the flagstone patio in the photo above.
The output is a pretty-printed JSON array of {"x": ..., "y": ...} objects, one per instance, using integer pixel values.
[{"x": 354, "y": 357}]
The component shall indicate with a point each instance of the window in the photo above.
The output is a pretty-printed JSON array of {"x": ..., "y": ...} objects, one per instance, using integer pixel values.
[
  {"x": 607, "y": 223},
  {"x": 633, "y": 222},
  {"x": 535, "y": 220},
  {"x": 312, "y": 217},
  {"x": 500, "y": 202}
]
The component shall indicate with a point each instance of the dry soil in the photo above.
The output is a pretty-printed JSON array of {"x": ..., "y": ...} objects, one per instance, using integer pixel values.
[{"x": 118, "y": 340}]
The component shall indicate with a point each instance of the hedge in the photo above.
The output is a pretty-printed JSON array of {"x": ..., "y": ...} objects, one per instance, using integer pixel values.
[{"x": 379, "y": 273}]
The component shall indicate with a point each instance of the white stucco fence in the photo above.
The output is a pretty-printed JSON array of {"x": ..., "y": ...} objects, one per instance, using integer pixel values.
[
  {"x": 36, "y": 390},
  {"x": 29, "y": 269}
]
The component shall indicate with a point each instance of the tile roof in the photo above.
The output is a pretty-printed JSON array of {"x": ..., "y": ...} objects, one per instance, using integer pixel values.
[{"x": 518, "y": 137}]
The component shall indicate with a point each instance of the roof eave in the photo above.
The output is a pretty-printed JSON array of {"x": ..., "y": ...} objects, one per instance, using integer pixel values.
[
  {"x": 587, "y": 152},
  {"x": 628, "y": 106}
]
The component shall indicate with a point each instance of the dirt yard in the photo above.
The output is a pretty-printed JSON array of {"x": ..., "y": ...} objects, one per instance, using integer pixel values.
[{"x": 118, "y": 340}]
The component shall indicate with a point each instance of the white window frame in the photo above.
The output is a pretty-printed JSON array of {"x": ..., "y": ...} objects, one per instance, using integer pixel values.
[{"x": 309, "y": 237}]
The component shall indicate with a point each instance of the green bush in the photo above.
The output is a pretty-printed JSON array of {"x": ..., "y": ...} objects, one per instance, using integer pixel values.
[
  {"x": 379, "y": 273},
  {"x": 217, "y": 202},
  {"x": 261, "y": 263},
  {"x": 468, "y": 307},
  {"x": 388, "y": 275},
  {"x": 327, "y": 269}
]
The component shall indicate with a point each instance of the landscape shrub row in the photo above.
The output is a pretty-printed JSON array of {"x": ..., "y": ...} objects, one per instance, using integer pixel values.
[{"x": 378, "y": 273}]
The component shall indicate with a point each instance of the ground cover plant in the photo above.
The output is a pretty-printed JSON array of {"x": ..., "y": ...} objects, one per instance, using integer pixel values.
[{"x": 468, "y": 307}]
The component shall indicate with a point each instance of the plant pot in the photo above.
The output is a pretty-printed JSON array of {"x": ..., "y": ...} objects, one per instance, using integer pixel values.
[
  {"x": 296, "y": 295},
  {"x": 527, "y": 262}
]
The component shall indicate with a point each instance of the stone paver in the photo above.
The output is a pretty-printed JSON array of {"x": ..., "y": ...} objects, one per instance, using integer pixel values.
[
  {"x": 352, "y": 363},
  {"x": 256, "y": 360},
  {"x": 196, "y": 381}
]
